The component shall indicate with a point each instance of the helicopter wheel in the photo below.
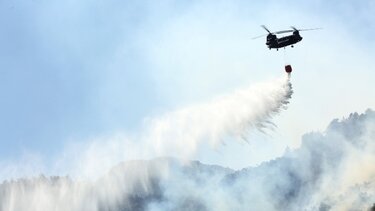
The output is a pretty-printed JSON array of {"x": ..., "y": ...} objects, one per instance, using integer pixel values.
[{"x": 292, "y": 46}]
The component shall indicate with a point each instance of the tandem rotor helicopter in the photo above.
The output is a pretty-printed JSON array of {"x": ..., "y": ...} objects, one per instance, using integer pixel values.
[{"x": 272, "y": 41}]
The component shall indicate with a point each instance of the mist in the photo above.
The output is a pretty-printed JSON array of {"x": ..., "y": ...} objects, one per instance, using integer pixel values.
[{"x": 232, "y": 115}]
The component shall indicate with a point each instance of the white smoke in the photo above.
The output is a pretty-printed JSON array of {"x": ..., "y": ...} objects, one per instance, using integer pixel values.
[
  {"x": 178, "y": 133},
  {"x": 330, "y": 171},
  {"x": 183, "y": 132}
]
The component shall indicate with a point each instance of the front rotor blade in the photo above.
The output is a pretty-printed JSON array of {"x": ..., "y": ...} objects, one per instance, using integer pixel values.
[
  {"x": 253, "y": 38},
  {"x": 265, "y": 28}
]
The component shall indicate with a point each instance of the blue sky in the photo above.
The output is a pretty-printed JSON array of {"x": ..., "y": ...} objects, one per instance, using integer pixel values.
[
  {"x": 71, "y": 71},
  {"x": 60, "y": 77}
]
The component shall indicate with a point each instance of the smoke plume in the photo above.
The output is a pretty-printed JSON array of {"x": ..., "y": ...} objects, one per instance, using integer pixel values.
[
  {"x": 181, "y": 133},
  {"x": 332, "y": 170},
  {"x": 139, "y": 185}
]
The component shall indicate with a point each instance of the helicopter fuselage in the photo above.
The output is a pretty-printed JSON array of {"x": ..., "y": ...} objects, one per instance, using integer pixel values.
[{"x": 274, "y": 42}]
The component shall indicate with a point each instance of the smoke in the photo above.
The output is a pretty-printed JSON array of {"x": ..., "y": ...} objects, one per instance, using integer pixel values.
[
  {"x": 137, "y": 185},
  {"x": 332, "y": 170},
  {"x": 181, "y": 133}
]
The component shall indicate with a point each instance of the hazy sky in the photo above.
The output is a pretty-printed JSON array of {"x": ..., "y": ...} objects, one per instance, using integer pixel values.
[{"x": 73, "y": 71}]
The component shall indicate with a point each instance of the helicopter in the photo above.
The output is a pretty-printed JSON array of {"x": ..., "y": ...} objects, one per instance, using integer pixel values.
[{"x": 272, "y": 41}]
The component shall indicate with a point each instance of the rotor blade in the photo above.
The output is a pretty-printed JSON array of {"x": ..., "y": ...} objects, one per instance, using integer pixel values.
[
  {"x": 281, "y": 32},
  {"x": 305, "y": 29},
  {"x": 294, "y": 28},
  {"x": 310, "y": 29},
  {"x": 265, "y": 28},
  {"x": 253, "y": 38}
]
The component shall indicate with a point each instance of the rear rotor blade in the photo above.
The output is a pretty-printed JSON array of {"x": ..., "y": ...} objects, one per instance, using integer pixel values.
[
  {"x": 281, "y": 32},
  {"x": 305, "y": 29},
  {"x": 310, "y": 29}
]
